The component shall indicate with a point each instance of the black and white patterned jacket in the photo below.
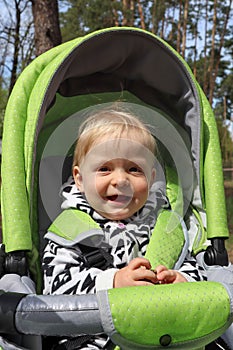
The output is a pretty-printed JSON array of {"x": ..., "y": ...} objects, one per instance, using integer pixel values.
[{"x": 65, "y": 270}]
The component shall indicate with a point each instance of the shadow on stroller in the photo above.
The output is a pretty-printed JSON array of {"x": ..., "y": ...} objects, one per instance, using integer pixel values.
[{"x": 43, "y": 112}]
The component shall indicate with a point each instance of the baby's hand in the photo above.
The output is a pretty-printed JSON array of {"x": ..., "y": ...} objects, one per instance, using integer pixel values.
[
  {"x": 137, "y": 273},
  {"x": 165, "y": 276}
]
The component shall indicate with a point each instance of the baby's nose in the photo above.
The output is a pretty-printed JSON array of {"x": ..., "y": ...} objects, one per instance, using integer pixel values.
[
  {"x": 122, "y": 182},
  {"x": 121, "y": 179}
]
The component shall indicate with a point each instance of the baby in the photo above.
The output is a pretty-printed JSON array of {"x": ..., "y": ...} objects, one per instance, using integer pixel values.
[{"x": 113, "y": 183}]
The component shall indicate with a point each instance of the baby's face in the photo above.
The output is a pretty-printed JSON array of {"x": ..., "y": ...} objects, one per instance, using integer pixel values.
[{"x": 115, "y": 177}]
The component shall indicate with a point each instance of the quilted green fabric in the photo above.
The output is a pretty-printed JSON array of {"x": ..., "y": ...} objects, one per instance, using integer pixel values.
[
  {"x": 213, "y": 179},
  {"x": 178, "y": 313},
  {"x": 70, "y": 223},
  {"x": 167, "y": 240}
]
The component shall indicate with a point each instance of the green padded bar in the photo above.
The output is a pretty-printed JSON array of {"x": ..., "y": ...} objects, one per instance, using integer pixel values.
[
  {"x": 71, "y": 223},
  {"x": 19, "y": 133},
  {"x": 167, "y": 240},
  {"x": 183, "y": 315},
  {"x": 174, "y": 191},
  {"x": 15, "y": 150},
  {"x": 213, "y": 177}
]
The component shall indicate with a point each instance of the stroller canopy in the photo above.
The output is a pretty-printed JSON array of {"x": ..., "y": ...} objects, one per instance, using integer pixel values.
[{"x": 95, "y": 69}]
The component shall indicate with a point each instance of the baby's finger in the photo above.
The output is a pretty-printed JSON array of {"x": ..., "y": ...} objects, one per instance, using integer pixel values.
[
  {"x": 145, "y": 275},
  {"x": 139, "y": 262},
  {"x": 166, "y": 276},
  {"x": 161, "y": 268}
]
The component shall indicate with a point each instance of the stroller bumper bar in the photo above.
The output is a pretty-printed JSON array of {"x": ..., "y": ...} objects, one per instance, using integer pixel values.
[
  {"x": 49, "y": 315},
  {"x": 188, "y": 325}
]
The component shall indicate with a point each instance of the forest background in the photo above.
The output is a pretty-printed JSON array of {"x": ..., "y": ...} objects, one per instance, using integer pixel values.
[{"x": 200, "y": 30}]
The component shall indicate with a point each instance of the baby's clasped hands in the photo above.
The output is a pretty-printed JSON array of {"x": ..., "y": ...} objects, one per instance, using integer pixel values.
[{"x": 139, "y": 273}]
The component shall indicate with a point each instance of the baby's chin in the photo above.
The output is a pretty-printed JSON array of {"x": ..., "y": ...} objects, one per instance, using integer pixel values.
[{"x": 118, "y": 216}]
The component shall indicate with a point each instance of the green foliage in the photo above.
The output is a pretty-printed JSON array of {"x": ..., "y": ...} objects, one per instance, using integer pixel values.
[{"x": 83, "y": 17}]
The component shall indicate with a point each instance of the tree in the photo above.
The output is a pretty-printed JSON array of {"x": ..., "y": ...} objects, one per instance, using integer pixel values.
[
  {"x": 17, "y": 42},
  {"x": 205, "y": 82},
  {"x": 185, "y": 22},
  {"x": 141, "y": 14},
  {"x": 128, "y": 9},
  {"x": 216, "y": 52},
  {"x": 195, "y": 18},
  {"x": 224, "y": 94},
  {"x": 83, "y": 17},
  {"x": 15, "y": 39},
  {"x": 46, "y": 23},
  {"x": 217, "y": 30}
]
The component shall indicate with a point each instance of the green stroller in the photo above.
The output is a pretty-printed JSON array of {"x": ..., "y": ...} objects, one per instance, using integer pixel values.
[{"x": 43, "y": 112}]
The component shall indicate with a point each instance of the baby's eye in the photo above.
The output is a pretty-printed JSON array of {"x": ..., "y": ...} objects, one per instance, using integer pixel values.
[
  {"x": 103, "y": 169},
  {"x": 134, "y": 169}
]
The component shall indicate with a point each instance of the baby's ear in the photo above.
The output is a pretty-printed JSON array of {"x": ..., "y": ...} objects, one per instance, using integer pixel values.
[
  {"x": 78, "y": 178},
  {"x": 153, "y": 176}
]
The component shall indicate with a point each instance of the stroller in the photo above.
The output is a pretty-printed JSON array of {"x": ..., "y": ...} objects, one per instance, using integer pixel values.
[{"x": 42, "y": 116}]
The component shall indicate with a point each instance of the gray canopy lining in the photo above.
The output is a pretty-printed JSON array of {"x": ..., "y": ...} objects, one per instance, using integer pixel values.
[{"x": 116, "y": 61}]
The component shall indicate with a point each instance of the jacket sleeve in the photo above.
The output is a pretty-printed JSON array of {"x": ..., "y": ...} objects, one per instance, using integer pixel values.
[
  {"x": 65, "y": 272},
  {"x": 191, "y": 270}
]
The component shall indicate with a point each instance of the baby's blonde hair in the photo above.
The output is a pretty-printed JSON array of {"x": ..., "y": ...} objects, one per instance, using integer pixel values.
[{"x": 115, "y": 123}]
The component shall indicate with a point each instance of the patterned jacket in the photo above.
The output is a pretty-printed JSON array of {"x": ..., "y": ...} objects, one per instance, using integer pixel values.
[{"x": 64, "y": 264}]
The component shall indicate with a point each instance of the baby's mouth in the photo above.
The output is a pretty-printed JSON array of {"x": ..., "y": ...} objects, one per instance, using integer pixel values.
[{"x": 118, "y": 198}]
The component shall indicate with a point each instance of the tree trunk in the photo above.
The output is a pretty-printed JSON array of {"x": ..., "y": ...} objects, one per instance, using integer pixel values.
[
  {"x": 171, "y": 35},
  {"x": 132, "y": 10},
  {"x": 212, "y": 54},
  {"x": 16, "y": 46},
  {"x": 46, "y": 21},
  {"x": 161, "y": 33},
  {"x": 178, "y": 42},
  {"x": 154, "y": 18},
  {"x": 205, "y": 77},
  {"x": 141, "y": 14},
  {"x": 195, "y": 34},
  {"x": 128, "y": 12},
  {"x": 218, "y": 57},
  {"x": 185, "y": 20}
]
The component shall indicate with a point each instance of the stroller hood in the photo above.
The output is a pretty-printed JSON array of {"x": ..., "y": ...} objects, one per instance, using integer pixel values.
[{"x": 105, "y": 66}]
